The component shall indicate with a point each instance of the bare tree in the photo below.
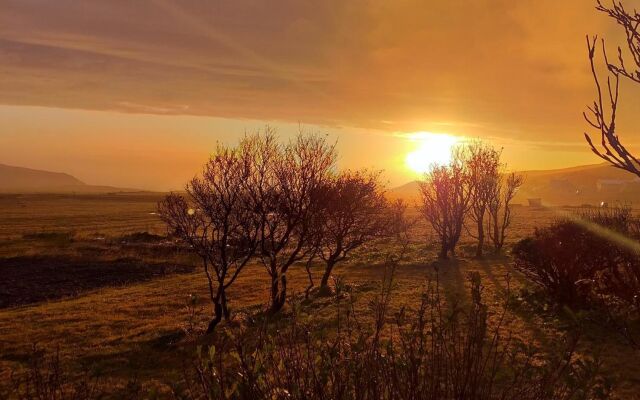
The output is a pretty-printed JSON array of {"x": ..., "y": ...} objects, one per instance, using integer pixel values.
[
  {"x": 499, "y": 208},
  {"x": 611, "y": 148},
  {"x": 354, "y": 212},
  {"x": 215, "y": 220},
  {"x": 399, "y": 224},
  {"x": 286, "y": 195},
  {"x": 483, "y": 164},
  {"x": 445, "y": 199}
]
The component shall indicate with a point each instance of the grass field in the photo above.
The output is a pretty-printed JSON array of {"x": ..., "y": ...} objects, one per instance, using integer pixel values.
[{"x": 123, "y": 309}]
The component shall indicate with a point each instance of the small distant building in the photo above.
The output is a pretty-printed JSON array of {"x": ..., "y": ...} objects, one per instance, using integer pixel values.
[
  {"x": 610, "y": 185},
  {"x": 617, "y": 185},
  {"x": 535, "y": 202}
]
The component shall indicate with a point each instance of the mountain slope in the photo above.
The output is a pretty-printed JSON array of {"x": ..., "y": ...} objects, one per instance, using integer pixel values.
[
  {"x": 567, "y": 186},
  {"x": 27, "y": 180}
]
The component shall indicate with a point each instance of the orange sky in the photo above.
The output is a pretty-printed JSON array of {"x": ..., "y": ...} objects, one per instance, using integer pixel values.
[{"x": 136, "y": 93}]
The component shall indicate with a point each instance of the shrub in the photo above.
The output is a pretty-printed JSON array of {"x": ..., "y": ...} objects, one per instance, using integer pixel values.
[
  {"x": 434, "y": 352},
  {"x": 592, "y": 257},
  {"x": 44, "y": 378},
  {"x": 437, "y": 351}
]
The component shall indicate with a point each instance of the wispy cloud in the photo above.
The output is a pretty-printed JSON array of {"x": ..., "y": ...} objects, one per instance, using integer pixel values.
[{"x": 484, "y": 67}]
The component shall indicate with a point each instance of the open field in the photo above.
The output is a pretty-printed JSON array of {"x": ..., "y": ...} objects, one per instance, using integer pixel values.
[
  {"x": 121, "y": 302},
  {"x": 95, "y": 215}
]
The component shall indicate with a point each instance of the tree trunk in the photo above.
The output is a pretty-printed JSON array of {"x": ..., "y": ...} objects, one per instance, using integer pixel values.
[
  {"x": 324, "y": 283},
  {"x": 278, "y": 293},
  {"x": 444, "y": 251},
  {"x": 496, "y": 233},
  {"x": 225, "y": 308},
  {"x": 217, "y": 317},
  {"x": 480, "y": 238}
]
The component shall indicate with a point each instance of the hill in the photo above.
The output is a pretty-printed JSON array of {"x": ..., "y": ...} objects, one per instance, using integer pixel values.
[
  {"x": 586, "y": 184},
  {"x": 27, "y": 180},
  {"x": 409, "y": 191}
]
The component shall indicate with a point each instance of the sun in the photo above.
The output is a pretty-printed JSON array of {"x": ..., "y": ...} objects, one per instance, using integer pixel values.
[{"x": 432, "y": 148}]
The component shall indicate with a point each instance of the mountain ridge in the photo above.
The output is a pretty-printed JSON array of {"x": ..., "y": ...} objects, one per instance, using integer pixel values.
[
  {"x": 583, "y": 184},
  {"x": 15, "y": 179}
]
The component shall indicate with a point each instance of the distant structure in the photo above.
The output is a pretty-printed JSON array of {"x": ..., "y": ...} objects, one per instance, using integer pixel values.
[
  {"x": 617, "y": 185},
  {"x": 610, "y": 185},
  {"x": 535, "y": 202}
]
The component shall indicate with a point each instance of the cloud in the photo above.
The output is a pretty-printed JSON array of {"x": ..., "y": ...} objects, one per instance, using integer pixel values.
[{"x": 480, "y": 66}]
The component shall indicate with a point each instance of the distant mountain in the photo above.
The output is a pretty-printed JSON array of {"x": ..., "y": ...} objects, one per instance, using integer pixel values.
[
  {"x": 27, "y": 180},
  {"x": 587, "y": 184},
  {"x": 409, "y": 191}
]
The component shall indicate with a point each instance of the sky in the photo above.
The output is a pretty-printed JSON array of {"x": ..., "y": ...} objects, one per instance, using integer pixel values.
[{"x": 136, "y": 93}]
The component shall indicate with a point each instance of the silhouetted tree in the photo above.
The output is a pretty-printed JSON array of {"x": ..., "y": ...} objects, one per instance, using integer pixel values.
[
  {"x": 399, "y": 224},
  {"x": 286, "y": 195},
  {"x": 499, "y": 207},
  {"x": 483, "y": 165},
  {"x": 215, "y": 219},
  {"x": 445, "y": 195},
  {"x": 354, "y": 211},
  {"x": 602, "y": 114}
]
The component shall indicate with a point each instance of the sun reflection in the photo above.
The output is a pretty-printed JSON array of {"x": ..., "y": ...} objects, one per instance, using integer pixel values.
[{"x": 432, "y": 148}]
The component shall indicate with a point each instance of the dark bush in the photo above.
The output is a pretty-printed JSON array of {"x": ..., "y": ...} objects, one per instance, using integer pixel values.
[
  {"x": 586, "y": 259},
  {"x": 142, "y": 237},
  {"x": 56, "y": 237}
]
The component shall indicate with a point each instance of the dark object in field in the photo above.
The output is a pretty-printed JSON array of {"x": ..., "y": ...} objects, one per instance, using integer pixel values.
[
  {"x": 143, "y": 237},
  {"x": 27, "y": 280},
  {"x": 50, "y": 236}
]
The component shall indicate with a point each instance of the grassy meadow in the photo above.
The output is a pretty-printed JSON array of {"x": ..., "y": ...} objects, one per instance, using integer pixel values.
[{"x": 94, "y": 277}]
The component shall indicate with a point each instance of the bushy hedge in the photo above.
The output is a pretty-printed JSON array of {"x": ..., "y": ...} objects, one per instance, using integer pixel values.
[{"x": 587, "y": 259}]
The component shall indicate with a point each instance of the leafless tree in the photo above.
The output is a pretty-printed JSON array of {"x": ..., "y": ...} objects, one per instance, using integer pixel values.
[
  {"x": 354, "y": 212},
  {"x": 445, "y": 196},
  {"x": 216, "y": 221},
  {"x": 499, "y": 208},
  {"x": 483, "y": 164},
  {"x": 286, "y": 192},
  {"x": 601, "y": 115},
  {"x": 400, "y": 224}
]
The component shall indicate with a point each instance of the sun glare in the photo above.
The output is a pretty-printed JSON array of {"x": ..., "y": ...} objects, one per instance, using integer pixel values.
[{"x": 432, "y": 148}]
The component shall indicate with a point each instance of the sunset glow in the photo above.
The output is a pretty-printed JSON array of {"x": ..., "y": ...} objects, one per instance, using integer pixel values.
[
  {"x": 144, "y": 90},
  {"x": 431, "y": 148}
]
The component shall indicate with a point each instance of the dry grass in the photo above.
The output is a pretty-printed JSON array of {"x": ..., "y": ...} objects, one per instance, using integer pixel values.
[
  {"x": 137, "y": 330},
  {"x": 114, "y": 214}
]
